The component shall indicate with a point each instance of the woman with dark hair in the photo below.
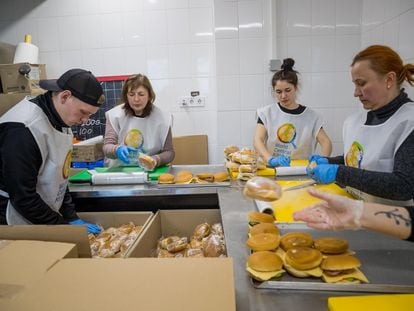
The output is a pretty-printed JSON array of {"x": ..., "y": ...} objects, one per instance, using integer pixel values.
[
  {"x": 137, "y": 126},
  {"x": 287, "y": 130},
  {"x": 378, "y": 160}
]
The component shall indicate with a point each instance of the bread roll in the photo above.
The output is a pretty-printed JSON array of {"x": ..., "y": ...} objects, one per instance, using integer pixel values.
[
  {"x": 166, "y": 178},
  {"x": 221, "y": 176},
  {"x": 147, "y": 162},
  {"x": 264, "y": 228},
  {"x": 295, "y": 239},
  {"x": 331, "y": 245},
  {"x": 263, "y": 242},
  {"x": 262, "y": 189}
]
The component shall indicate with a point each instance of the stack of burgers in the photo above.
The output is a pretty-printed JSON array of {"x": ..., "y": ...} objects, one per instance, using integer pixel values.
[
  {"x": 299, "y": 254},
  {"x": 244, "y": 161}
]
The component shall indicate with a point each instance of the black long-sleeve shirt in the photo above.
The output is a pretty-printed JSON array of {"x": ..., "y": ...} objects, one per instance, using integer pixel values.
[
  {"x": 396, "y": 185},
  {"x": 20, "y": 161}
]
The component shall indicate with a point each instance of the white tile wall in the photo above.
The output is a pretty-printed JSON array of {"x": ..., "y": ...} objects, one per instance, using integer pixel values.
[
  {"x": 220, "y": 48},
  {"x": 250, "y": 19},
  {"x": 226, "y": 19}
]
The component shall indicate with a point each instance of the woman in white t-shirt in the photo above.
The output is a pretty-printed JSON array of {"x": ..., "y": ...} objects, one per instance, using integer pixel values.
[
  {"x": 137, "y": 126},
  {"x": 287, "y": 130}
]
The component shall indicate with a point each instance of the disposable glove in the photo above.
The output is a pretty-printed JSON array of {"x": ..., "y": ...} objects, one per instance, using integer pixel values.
[
  {"x": 335, "y": 212},
  {"x": 122, "y": 152},
  {"x": 92, "y": 228},
  {"x": 278, "y": 161},
  {"x": 323, "y": 173},
  {"x": 318, "y": 159}
]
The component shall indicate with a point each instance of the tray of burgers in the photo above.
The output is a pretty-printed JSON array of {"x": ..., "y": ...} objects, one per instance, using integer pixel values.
[
  {"x": 292, "y": 256},
  {"x": 190, "y": 176}
]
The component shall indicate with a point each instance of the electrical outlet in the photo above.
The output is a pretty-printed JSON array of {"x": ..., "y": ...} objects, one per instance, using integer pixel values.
[{"x": 192, "y": 101}]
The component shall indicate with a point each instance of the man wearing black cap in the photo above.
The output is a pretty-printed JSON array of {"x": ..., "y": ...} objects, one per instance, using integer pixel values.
[{"x": 36, "y": 150}]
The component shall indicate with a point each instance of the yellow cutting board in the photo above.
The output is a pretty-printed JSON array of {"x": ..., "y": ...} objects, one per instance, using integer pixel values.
[
  {"x": 271, "y": 171},
  {"x": 295, "y": 200},
  {"x": 400, "y": 302}
]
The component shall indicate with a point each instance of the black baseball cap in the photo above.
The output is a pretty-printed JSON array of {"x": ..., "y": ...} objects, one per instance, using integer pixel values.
[{"x": 82, "y": 83}]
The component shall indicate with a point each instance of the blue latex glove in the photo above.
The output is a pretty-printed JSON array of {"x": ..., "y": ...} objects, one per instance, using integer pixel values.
[
  {"x": 318, "y": 159},
  {"x": 92, "y": 228},
  {"x": 122, "y": 152},
  {"x": 279, "y": 161},
  {"x": 323, "y": 173}
]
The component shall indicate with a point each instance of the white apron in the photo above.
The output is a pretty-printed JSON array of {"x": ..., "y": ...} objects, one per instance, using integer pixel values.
[
  {"x": 373, "y": 147},
  {"x": 291, "y": 135},
  {"x": 147, "y": 134},
  {"x": 56, "y": 150}
]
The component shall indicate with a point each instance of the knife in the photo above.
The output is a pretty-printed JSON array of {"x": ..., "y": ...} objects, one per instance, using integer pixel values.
[{"x": 304, "y": 185}]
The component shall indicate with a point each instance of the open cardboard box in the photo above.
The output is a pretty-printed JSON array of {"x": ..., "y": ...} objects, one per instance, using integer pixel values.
[
  {"x": 171, "y": 222},
  {"x": 141, "y": 283},
  {"x": 75, "y": 234},
  {"x": 23, "y": 263}
]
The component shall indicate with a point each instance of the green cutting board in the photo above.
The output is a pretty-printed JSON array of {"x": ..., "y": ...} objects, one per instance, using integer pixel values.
[{"x": 86, "y": 177}]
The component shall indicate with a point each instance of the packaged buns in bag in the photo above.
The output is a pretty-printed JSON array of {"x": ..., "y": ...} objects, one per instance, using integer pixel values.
[{"x": 147, "y": 162}]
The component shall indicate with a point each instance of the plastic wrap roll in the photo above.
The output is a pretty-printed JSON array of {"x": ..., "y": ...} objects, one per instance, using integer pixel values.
[
  {"x": 119, "y": 178},
  {"x": 291, "y": 170}
]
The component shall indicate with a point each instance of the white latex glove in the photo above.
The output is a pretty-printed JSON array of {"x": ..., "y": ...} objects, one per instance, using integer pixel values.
[{"x": 334, "y": 212}]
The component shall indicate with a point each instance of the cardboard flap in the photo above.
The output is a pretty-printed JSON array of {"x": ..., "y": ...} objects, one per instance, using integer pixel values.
[
  {"x": 147, "y": 284},
  {"x": 60, "y": 233}
]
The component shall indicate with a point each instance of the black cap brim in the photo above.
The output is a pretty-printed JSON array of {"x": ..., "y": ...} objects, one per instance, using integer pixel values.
[{"x": 50, "y": 85}]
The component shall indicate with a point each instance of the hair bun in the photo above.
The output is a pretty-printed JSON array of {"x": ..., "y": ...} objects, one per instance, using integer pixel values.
[{"x": 288, "y": 64}]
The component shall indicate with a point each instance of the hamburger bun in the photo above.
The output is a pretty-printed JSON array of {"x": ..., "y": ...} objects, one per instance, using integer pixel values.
[
  {"x": 230, "y": 149},
  {"x": 245, "y": 176},
  {"x": 330, "y": 245},
  {"x": 264, "y": 228},
  {"x": 246, "y": 168},
  {"x": 221, "y": 176},
  {"x": 255, "y": 218},
  {"x": 209, "y": 177},
  {"x": 342, "y": 269},
  {"x": 264, "y": 265},
  {"x": 295, "y": 239},
  {"x": 166, "y": 178},
  {"x": 303, "y": 262},
  {"x": 184, "y": 177},
  {"x": 263, "y": 242},
  {"x": 263, "y": 189},
  {"x": 147, "y": 162}
]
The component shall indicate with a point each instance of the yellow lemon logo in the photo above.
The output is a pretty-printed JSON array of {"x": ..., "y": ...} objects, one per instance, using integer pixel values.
[
  {"x": 66, "y": 165},
  {"x": 134, "y": 138},
  {"x": 287, "y": 133},
  {"x": 354, "y": 155}
]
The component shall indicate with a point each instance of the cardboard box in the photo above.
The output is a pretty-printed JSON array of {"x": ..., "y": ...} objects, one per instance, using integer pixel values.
[
  {"x": 88, "y": 150},
  {"x": 75, "y": 234},
  {"x": 7, "y": 101},
  {"x": 200, "y": 284},
  {"x": 191, "y": 149},
  {"x": 172, "y": 222},
  {"x": 13, "y": 81},
  {"x": 23, "y": 263}
]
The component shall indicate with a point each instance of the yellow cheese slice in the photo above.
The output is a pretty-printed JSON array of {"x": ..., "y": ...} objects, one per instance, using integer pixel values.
[
  {"x": 357, "y": 274},
  {"x": 264, "y": 276}
]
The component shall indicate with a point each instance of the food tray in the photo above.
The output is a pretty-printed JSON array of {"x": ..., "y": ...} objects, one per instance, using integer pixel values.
[
  {"x": 196, "y": 169},
  {"x": 386, "y": 262}
]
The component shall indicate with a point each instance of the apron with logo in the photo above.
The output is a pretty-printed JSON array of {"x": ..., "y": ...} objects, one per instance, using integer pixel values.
[
  {"x": 373, "y": 147},
  {"x": 291, "y": 135},
  {"x": 56, "y": 150},
  {"x": 147, "y": 134}
]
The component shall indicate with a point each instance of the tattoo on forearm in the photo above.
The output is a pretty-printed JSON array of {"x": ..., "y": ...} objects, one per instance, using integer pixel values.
[{"x": 398, "y": 218}]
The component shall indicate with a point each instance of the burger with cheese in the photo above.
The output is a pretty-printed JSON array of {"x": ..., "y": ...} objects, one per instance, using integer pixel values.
[
  {"x": 342, "y": 269},
  {"x": 264, "y": 265}
]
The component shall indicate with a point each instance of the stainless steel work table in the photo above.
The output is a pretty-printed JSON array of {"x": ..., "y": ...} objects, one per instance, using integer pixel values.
[{"x": 234, "y": 208}]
